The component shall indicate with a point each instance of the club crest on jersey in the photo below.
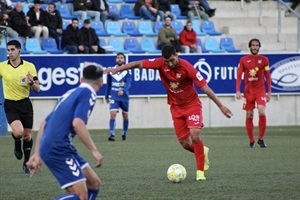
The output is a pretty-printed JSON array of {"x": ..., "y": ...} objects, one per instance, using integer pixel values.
[
  {"x": 174, "y": 85},
  {"x": 23, "y": 80},
  {"x": 178, "y": 75},
  {"x": 199, "y": 76},
  {"x": 259, "y": 61}
]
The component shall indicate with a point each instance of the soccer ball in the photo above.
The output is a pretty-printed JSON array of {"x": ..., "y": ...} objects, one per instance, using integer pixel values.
[{"x": 176, "y": 173}]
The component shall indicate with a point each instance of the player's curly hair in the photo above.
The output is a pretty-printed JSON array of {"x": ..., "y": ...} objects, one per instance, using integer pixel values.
[
  {"x": 253, "y": 40},
  {"x": 168, "y": 51}
]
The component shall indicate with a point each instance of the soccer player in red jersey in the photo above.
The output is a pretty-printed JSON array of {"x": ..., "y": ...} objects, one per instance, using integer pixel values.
[
  {"x": 255, "y": 68},
  {"x": 179, "y": 76}
]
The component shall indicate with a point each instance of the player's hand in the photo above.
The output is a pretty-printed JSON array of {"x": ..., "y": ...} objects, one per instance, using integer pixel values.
[
  {"x": 34, "y": 164},
  {"x": 120, "y": 93},
  {"x": 269, "y": 96},
  {"x": 110, "y": 70},
  {"x": 30, "y": 78},
  {"x": 99, "y": 158},
  {"x": 226, "y": 111},
  {"x": 238, "y": 95},
  {"x": 107, "y": 100}
]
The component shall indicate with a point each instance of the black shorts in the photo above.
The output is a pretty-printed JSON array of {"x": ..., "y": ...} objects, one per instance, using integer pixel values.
[{"x": 19, "y": 110}]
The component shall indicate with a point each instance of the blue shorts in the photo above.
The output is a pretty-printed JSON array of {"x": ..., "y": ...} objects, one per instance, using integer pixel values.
[
  {"x": 67, "y": 169},
  {"x": 115, "y": 105}
]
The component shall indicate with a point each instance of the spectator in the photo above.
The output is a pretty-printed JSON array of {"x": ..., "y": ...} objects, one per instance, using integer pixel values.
[
  {"x": 18, "y": 21},
  {"x": 83, "y": 8},
  {"x": 168, "y": 36},
  {"x": 90, "y": 38},
  {"x": 5, "y": 22},
  {"x": 54, "y": 22},
  {"x": 36, "y": 18},
  {"x": 188, "y": 39},
  {"x": 103, "y": 8},
  {"x": 147, "y": 9},
  {"x": 164, "y": 9},
  {"x": 192, "y": 8},
  {"x": 72, "y": 40}
]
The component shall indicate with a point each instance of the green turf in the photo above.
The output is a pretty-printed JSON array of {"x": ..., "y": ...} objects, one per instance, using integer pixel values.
[{"x": 136, "y": 169}]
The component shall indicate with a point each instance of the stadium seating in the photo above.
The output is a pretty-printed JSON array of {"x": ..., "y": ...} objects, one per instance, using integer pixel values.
[
  {"x": 178, "y": 26},
  {"x": 103, "y": 44},
  {"x": 132, "y": 45},
  {"x": 130, "y": 28},
  {"x": 33, "y": 46},
  {"x": 126, "y": 11},
  {"x": 80, "y": 24},
  {"x": 65, "y": 24},
  {"x": 117, "y": 45},
  {"x": 208, "y": 27},
  {"x": 113, "y": 28},
  {"x": 130, "y": 1},
  {"x": 26, "y": 7},
  {"x": 147, "y": 44},
  {"x": 44, "y": 6},
  {"x": 113, "y": 9},
  {"x": 176, "y": 11},
  {"x": 3, "y": 43},
  {"x": 65, "y": 11},
  {"x": 200, "y": 44},
  {"x": 196, "y": 28},
  {"x": 145, "y": 28},
  {"x": 228, "y": 45},
  {"x": 114, "y": 1},
  {"x": 99, "y": 28},
  {"x": 158, "y": 25},
  {"x": 49, "y": 45},
  {"x": 212, "y": 45}
]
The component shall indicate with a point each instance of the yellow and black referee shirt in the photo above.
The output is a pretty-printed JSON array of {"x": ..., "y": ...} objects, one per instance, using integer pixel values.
[{"x": 14, "y": 79}]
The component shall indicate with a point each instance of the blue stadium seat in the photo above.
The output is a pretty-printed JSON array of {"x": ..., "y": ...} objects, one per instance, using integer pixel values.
[
  {"x": 158, "y": 25},
  {"x": 211, "y": 44},
  {"x": 145, "y": 28},
  {"x": 228, "y": 45},
  {"x": 99, "y": 28},
  {"x": 176, "y": 11},
  {"x": 3, "y": 43},
  {"x": 80, "y": 24},
  {"x": 196, "y": 28},
  {"x": 208, "y": 27},
  {"x": 130, "y": 1},
  {"x": 178, "y": 26},
  {"x": 65, "y": 24},
  {"x": 113, "y": 9},
  {"x": 26, "y": 7},
  {"x": 126, "y": 11},
  {"x": 49, "y": 45},
  {"x": 33, "y": 46},
  {"x": 147, "y": 44},
  {"x": 23, "y": 50},
  {"x": 103, "y": 44},
  {"x": 117, "y": 45},
  {"x": 44, "y": 6},
  {"x": 65, "y": 11},
  {"x": 114, "y": 1},
  {"x": 200, "y": 44},
  {"x": 113, "y": 28},
  {"x": 132, "y": 45},
  {"x": 130, "y": 28}
]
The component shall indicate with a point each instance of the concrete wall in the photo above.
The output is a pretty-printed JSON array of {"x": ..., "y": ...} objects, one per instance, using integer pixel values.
[{"x": 153, "y": 112}]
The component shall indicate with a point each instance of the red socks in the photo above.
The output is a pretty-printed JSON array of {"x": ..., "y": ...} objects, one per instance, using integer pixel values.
[
  {"x": 199, "y": 155},
  {"x": 262, "y": 125},
  {"x": 249, "y": 128}
]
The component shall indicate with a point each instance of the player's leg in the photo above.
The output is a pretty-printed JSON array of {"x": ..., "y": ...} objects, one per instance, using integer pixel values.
[
  {"x": 125, "y": 108},
  {"x": 113, "y": 107},
  {"x": 249, "y": 105},
  {"x": 262, "y": 120},
  {"x": 92, "y": 182},
  {"x": 14, "y": 120}
]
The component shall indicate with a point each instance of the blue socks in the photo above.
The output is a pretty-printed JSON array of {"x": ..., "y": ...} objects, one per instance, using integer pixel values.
[
  {"x": 67, "y": 197},
  {"x": 92, "y": 194},
  {"x": 125, "y": 126},
  {"x": 112, "y": 123}
]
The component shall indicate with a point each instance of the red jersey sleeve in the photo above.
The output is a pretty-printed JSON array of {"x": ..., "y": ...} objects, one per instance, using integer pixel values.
[
  {"x": 267, "y": 74},
  {"x": 195, "y": 75},
  {"x": 154, "y": 63},
  {"x": 240, "y": 72}
]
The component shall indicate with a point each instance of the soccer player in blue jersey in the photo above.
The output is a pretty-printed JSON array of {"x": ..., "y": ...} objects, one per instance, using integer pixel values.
[
  {"x": 54, "y": 140},
  {"x": 118, "y": 89}
]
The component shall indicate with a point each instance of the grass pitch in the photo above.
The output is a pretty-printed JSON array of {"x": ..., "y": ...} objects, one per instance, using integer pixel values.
[{"x": 136, "y": 169}]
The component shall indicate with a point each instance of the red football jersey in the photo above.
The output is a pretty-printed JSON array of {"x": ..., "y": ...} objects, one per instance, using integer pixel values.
[
  {"x": 179, "y": 81},
  {"x": 255, "y": 69}
]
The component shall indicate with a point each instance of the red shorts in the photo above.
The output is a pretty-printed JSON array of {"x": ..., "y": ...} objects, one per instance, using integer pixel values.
[
  {"x": 254, "y": 99},
  {"x": 185, "y": 118}
]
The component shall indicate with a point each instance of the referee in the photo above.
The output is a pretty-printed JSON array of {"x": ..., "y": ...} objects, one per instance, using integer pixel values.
[{"x": 18, "y": 77}]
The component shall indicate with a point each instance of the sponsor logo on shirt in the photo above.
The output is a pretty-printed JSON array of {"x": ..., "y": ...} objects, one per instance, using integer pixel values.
[{"x": 285, "y": 74}]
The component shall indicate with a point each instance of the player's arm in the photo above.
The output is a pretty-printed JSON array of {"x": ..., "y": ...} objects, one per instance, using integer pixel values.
[
  {"x": 128, "y": 81},
  {"x": 85, "y": 137},
  {"x": 131, "y": 65},
  {"x": 210, "y": 93},
  {"x": 239, "y": 80},
  {"x": 268, "y": 81},
  {"x": 108, "y": 88}
]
